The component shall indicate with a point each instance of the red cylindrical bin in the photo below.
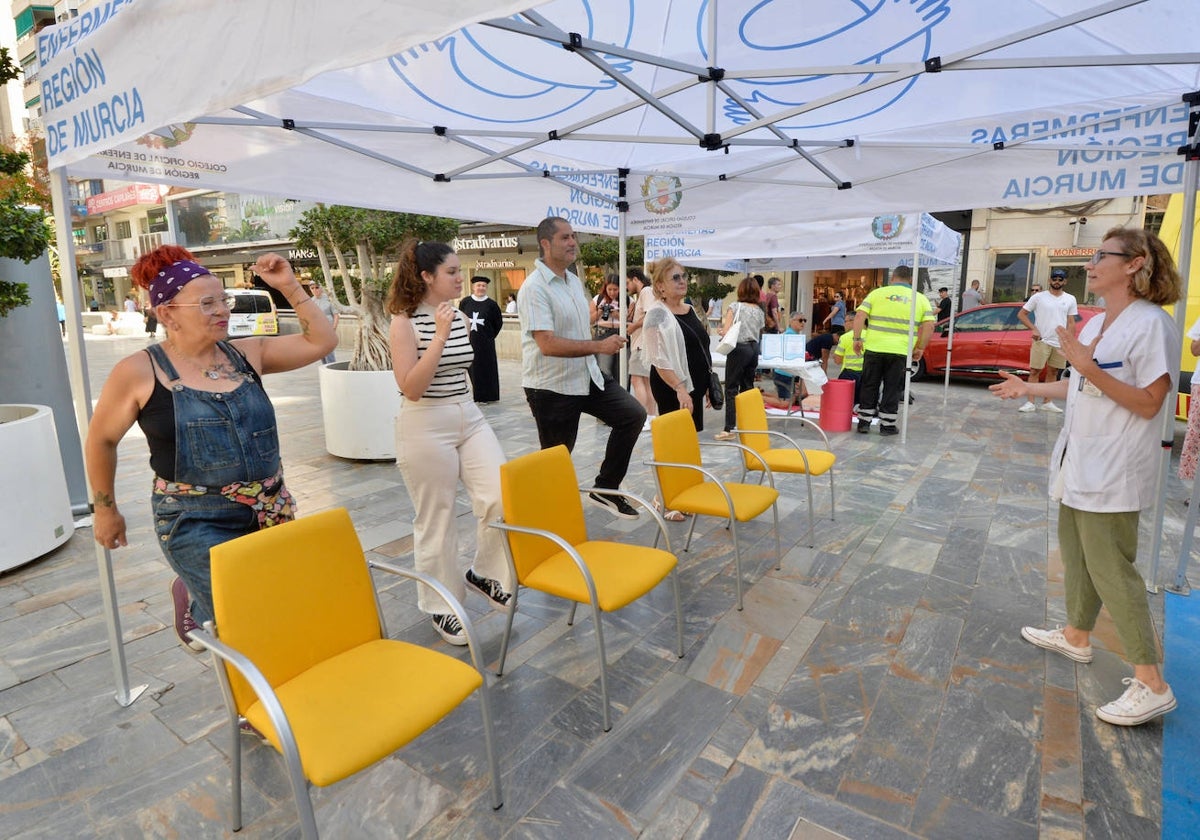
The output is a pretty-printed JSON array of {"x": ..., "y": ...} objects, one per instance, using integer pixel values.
[{"x": 837, "y": 405}]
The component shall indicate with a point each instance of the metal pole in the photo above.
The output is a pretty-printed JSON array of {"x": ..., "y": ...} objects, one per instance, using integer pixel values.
[
  {"x": 622, "y": 267},
  {"x": 912, "y": 317},
  {"x": 77, "y": 369}
]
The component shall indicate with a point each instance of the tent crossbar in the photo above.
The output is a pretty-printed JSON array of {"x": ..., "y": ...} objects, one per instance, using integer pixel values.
[
  {"x": 544, "y": 30},
  {"x": 1030, "y": 32},
  {"x": 570, "y": 131},
  {"x": 564, "y": 179},
  {"x": 1083, "y": 61},
  {"x": 791, "y": 142},
  {"x": 946, "y": 60},
  {"x": 359, "y": 150},
  {"x": 1022, "y": 63},
  {"x": 646, "y": 96}
]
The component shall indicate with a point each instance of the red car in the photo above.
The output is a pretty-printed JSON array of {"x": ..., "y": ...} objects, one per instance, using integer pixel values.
[{"x": 987, "y": 340}]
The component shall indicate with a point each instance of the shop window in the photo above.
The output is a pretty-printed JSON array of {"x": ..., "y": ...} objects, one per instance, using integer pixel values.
[
  {"x": 80, "y": 236},
  {"x": 1012, "y": 275},
  {"x": 124, "y": 230},
  {"x": 156, "y": 220},
  {"x": 100, "y": 233}
]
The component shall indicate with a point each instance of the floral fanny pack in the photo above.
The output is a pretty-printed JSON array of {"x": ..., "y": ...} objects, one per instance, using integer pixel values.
[{"x": 269, "y": 498}]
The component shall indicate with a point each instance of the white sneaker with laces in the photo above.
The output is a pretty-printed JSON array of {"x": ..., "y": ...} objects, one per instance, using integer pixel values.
[
  {"x": 1051, "y": 407},
  {"x": 1028, "y": 407},
  {"x": 1055, "y": 640},
  {"x": 1137, "y": 705}
]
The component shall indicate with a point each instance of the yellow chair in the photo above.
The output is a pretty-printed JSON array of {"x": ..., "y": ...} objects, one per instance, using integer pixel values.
[
  {"x": 790, "y": 457},
  {"x": 684, "y": 484},
  {"x": 302, "y": 655},
  {"x": 548, "y": 549}
]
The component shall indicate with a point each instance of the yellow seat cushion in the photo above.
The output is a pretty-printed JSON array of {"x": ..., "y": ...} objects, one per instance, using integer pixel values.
[
  {"x": 789, "y": 460},
  {"x": 364, "y": 704},
  {"x": 622, "y": 573},
  {"x": 749, "y": 500}
]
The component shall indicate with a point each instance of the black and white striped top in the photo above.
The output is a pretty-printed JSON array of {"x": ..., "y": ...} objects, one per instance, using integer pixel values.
[{"x": 457, "y": 355}]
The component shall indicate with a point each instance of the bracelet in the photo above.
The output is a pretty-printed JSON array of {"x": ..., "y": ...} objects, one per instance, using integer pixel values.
[{"x": 301, "y": 303}]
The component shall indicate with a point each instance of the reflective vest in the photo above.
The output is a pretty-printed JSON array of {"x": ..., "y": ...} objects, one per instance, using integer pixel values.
[
  {"x": 888, "y": 309},
  {"x": 845, "y": 349}
]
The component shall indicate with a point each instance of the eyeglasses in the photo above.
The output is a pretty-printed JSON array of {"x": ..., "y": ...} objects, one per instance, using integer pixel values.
[
  {"x": 209, "y": 305},
  {"x": 1099, "y": 255},
  {"x": 678, "y": 277}
]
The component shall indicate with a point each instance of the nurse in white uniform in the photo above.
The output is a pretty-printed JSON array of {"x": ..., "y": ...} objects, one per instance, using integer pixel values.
[{"x": 1105, "y": 464}]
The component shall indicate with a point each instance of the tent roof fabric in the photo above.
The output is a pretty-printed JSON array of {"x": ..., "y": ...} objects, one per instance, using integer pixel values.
[{"x": 703, "y": 111}]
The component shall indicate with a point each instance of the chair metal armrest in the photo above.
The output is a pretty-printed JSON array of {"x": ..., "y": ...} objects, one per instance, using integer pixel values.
[
  {"x": 262, "y": 689},
  {"x": 788, "y": 440},
  {"x": 639, "y": 500},
  {"x": 709, "y": 473},
  {"x": 453, "y": 603},
  {"x": 806, "y": 422},
  {"x": 561, "y": 543},
  {"x": 748, "y": 451}
]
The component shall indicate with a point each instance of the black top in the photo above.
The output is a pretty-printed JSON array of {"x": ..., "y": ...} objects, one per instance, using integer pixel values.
[{"x": 695, "y": 342}]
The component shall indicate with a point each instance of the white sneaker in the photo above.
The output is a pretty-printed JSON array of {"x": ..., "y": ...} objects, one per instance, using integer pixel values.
[
  {"x": 1055, "y": 640},
  {"x": 1137, "y": 705},
  {"x": 1051, "y": 407},
  {"x": 1028, "y": 407}
]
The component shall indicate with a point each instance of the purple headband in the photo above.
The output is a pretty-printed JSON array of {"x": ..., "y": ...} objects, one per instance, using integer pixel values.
[{"x": 173, "y": 278}]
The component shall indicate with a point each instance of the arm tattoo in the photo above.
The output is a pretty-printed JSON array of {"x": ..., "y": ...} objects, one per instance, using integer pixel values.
[
  {"x": 303, "y": 326},
  {"x": 103, "y": 499}
]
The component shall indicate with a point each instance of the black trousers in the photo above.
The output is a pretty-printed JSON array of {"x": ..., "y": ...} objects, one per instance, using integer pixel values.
[
  {"x": 557, "y": 419},
  {"x": 886, "y": 369},
  {"x": 739, "y": 376}
]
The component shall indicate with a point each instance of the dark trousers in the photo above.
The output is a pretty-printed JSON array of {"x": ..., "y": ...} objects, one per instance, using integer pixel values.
[
  {"x": 739, "y": 376},
  {"x": 855, "y": 377},
  {"x": 557, "y": 419},
  {"x": 886, "y": 369}
]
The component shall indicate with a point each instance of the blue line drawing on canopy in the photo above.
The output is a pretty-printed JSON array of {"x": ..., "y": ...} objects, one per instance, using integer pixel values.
[
  {"x": 846, "y": 32},
  {"x": 511, "y": 71}
]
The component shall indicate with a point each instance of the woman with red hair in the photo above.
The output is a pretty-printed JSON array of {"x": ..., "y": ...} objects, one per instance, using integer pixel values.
[{"x": 209, "y": 424}]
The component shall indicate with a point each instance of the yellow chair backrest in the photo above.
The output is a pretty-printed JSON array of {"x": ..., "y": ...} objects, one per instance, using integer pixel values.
[
  {"x": 292, "y": 596},
  {"x": 674, "y": 439},
  {"x": 752, "y": 417},
  {"x": 540, "y": 490}
]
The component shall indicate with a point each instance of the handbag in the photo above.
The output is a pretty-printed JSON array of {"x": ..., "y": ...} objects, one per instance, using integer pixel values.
[
  {"x": 716, "y": 392},
  {"x": 730, "y": 339}
]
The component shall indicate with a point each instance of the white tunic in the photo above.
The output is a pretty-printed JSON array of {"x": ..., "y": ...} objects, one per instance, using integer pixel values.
[{"x": 1109, "y": 456}]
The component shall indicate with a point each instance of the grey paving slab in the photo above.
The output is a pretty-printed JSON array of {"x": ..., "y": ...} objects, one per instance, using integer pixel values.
[{"x": 876, "y": 686}]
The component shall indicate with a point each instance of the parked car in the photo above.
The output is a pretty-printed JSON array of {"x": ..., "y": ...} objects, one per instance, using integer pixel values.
[
  {"x": 253, "y": 313},
  {"x": 987, "y": 340}
]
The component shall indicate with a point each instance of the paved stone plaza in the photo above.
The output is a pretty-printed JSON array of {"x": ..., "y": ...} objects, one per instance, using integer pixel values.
[{"x": 876, "y": 687}]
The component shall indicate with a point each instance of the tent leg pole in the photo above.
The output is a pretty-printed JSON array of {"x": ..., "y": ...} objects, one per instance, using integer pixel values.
[
  {"x": 622, "y": 268},
  {"x": 77, "y": 368}
]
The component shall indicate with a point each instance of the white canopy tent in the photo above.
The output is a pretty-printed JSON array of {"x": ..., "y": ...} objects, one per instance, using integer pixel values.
[
  {"x": 648, "y": 116},
  {"x": 917, "y": 240}
]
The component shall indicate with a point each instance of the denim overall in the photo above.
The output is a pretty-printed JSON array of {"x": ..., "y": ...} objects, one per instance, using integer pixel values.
[{"x": 220, "y": 438}]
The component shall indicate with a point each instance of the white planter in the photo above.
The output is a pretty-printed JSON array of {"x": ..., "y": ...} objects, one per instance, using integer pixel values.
[
  {"x": 359, "y": 408},
  {"x": 35, "y": 516}
]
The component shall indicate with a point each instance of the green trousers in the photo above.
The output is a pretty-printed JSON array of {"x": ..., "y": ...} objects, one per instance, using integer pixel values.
[{"x": 1098, "y": 553}]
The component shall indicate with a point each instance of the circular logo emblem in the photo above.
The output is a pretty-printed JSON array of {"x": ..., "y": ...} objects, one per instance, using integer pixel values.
[
  {"x": 887, "y": 227},
  {"x": 169, "y": 137},
  {"x": 662, "y": 193}
]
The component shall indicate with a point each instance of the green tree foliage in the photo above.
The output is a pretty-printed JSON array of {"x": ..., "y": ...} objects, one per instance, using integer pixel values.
[
  {"x": 604, "y": 252},
  {"x": 24, "y": 234},
  {"x": 363, "y": 244}
]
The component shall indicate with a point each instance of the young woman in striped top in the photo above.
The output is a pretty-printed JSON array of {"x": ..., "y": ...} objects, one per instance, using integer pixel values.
[{"x": 441, "y": 435}]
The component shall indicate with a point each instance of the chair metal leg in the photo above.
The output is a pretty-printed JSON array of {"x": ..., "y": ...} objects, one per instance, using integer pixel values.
[
  {"x": 512, "y": 610},
  {"x": 678, "y": 611},
  {"x": 304, "y": 807},
  {"x": 489, "y": 744},
  {"x": 235, "y": 766},
  {"x": 832, "y": 498},
  {"x": 603, "y": 666},
  {"x": 812, "y": 521},
  {"x": 571, "y": 615},
  {"x": 737, "y": 558},
  {"x": 778, "y": 552},
  {"x": 691, "y": 528}
]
